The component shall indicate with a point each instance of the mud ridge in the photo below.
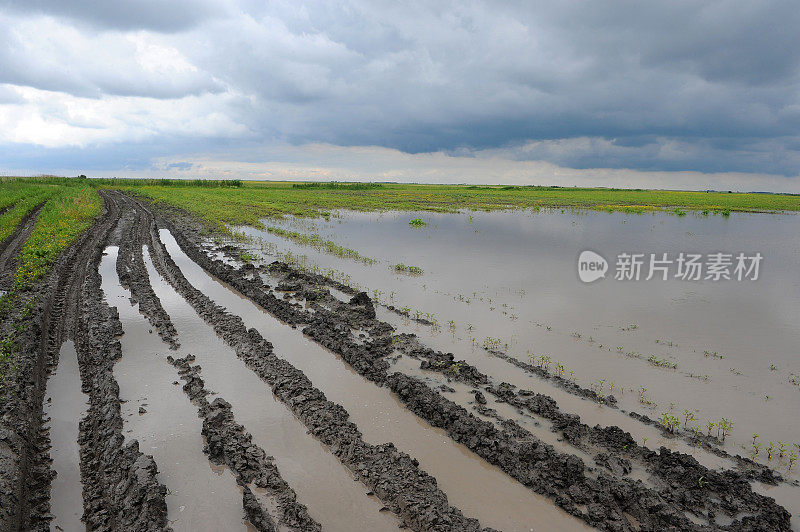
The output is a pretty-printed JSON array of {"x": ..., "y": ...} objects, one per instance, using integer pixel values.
[
  {"x": 120, "y": 485},
  {"x": 116, "y": 478},
  {"x": 228, "y": 444},
  {"x": 680, "y": 479},
  {"x": 753, "y": 469},
  {"x": 133, "y": 276},
  {"x": 392, "y": 475}
]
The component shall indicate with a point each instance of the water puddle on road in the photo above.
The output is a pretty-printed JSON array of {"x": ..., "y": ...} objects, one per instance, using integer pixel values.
[
  {"x": 65, "y": 405},
  {"x": 201, "y": 496},
  {"x": 479, "y": 489},
  {"x": 321, "y": 482}
]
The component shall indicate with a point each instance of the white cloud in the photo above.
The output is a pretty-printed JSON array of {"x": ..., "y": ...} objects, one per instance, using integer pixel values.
[{"x": 54, "y": 119}]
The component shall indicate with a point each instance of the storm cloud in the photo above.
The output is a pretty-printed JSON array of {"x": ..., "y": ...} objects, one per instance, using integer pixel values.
[{"x": 707, "y": 87}]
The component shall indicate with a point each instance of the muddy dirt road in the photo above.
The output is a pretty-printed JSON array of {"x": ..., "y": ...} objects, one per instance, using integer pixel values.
[{"x": 164, "y": 388}]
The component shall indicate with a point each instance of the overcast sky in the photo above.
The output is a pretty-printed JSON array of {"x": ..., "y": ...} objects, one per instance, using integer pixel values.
[{"x": 669, "y": 94}]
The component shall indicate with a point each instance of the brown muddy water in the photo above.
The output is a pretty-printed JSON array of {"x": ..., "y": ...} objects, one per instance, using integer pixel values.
[
  {"x": 65, "y": 405},
  {"x": 479, "y": 489},
  {"x": 201, "y": 496},
  {"x": 321, "y": 482},
  {"x": 511, "y": 277}
]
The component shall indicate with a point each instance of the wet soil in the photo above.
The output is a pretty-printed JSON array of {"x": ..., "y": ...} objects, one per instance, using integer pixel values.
[
  {"x": 405, "y": 401},
  {"x": 602, "y": 499},
  {"x": 498, "y": 500}
]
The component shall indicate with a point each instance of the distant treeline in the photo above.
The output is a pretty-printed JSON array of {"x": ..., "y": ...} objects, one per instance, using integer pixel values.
[
  {"x": 121, "y": 182},
  {"x": 337, "y": 185},
  {"x": 212, "y": 183}
]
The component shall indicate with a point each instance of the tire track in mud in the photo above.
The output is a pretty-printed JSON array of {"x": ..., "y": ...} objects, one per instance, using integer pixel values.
[
  {"x": 373, "y": 366},
  {"x": 163, "y": 420},
  {"x": 133, "y": 275},
  {"x": 118, "y": 482},
  {"x": 267, "y": 500},
  {"x": 10, "y": 247},
  {"x": 120, "y": 485},
  {"x": 229, "y": 444},
  {"x": 392, "y": 475},
  {"x": 321, "y": 481},
  {"x": 496, "y": 499}
]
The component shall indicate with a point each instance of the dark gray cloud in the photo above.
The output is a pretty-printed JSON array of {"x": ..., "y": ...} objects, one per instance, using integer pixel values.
[
  {"x": 673, "y": 85},
  {"x": 156, "y": 15}
]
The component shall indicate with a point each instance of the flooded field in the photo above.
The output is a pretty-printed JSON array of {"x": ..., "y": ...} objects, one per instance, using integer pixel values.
[{"x": 509, "y": 281}]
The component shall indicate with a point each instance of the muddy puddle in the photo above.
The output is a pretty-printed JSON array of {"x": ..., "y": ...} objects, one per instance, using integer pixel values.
[
  {"x": 510, "y": 279},
  {"x": 496, "y": 499},
  {"x": 201, "y": 496},
  {"x": 321, "y": 482},
  {"x": 65, "y": 405}
]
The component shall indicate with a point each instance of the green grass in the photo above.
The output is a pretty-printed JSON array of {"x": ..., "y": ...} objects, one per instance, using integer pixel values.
[
  {"x": 221, "y": 202},
  {"x": 316, "y": 241},
  {"x": 253, "y": 201},
  {"x": 17, "y": 200},
  {"x": 415, "y": 270},
  {"x": 70, "y": 205},
  {"x": 69, "y": 211}
]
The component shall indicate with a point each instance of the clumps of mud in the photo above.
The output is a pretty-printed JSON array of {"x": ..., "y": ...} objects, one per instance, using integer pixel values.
[
  {"x": 679, "y": 479},
  {"x": 393, "y": 476},
  {"x": 605, "y": 500},
  {"x": 228, "y": 444},
  {"x": 120, "y": 485},
  {"x": 120, "y": 488},
  {"x": 603, "y": 496},
  {"x": 133, "y": 276}
]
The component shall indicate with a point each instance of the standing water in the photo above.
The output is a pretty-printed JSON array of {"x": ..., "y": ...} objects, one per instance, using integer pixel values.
[
  {"x": 509, "y": 280},
  {"x": 65, "y": 405},
  {"x": 496, "y": 499}
]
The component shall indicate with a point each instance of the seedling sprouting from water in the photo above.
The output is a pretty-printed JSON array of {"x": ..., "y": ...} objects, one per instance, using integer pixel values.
[
  {"x": 725, "y": 428},
  {"x": 770, "y": 449},
  {"x": 544, "y": 361},
  {"x": 773, "y": 367},
  {"x": 756, "y": 448},
  {"x": 710, "y": 426},
  {"x": 781, "y": 449},
  {"x": 560, "y": 369},
  {"x": 669, "y": 422},
  {"x": 755, "y": 437},
  {"x": 416, "y": 222},
  {"x": 792, "y": 459},
  {"x": 688, "y": 416}
]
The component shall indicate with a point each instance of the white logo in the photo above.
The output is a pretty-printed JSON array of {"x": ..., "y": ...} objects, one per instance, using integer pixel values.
[{"x": 591, "y": 266}]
